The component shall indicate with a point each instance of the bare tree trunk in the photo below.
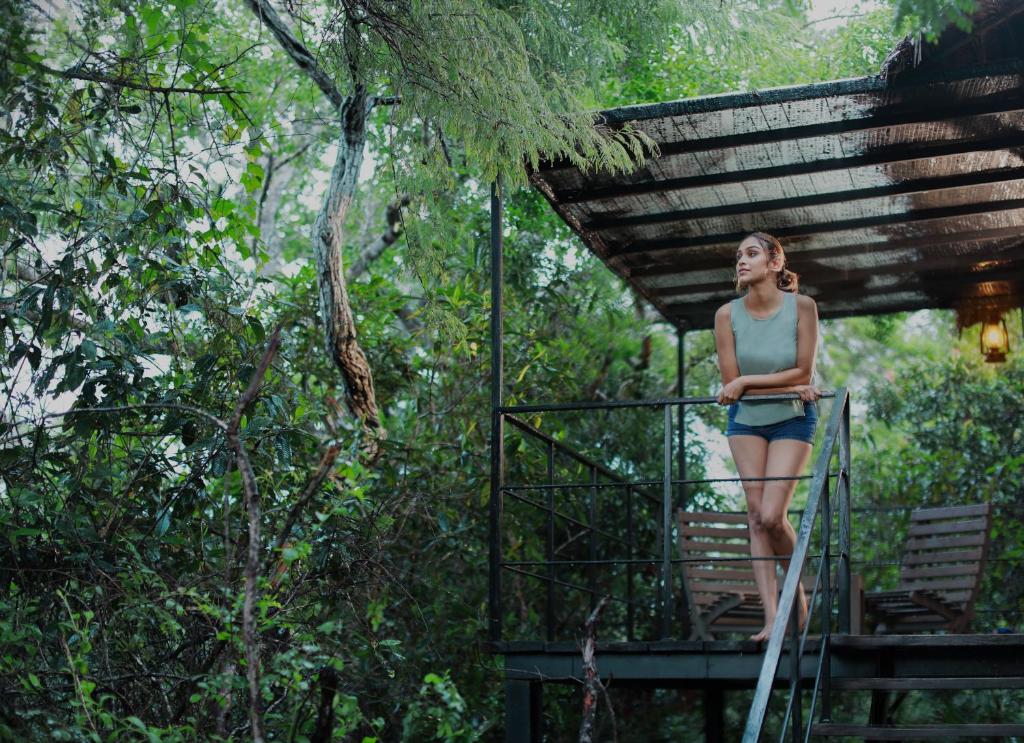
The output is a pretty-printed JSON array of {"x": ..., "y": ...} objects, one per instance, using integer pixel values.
[
  {"x": 592, "y": 687},
  {"x": 335, "y": 310}
]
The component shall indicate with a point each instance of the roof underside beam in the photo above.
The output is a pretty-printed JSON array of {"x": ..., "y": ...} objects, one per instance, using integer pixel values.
[
  {"x": 888, "y": 197},
  {"x": 904, "y": 188},
  {"x": 723, "y": 255},
  {"x": 818, "y": 229}
]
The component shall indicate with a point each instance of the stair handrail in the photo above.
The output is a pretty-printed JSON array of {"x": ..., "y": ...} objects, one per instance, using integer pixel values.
[{"x": 837, "y": 432}]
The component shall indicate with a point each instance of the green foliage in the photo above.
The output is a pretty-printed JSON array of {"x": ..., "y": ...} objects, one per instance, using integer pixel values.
[
  {"x": 929, "y": 17},
  {"x": 756, "y": 44},
  {"x": 438, "y": 713},
  {"x": 140, "y": 283}
]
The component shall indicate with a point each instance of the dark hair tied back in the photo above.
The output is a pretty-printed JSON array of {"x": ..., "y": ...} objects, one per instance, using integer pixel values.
[{"x": 788, "y": 281}]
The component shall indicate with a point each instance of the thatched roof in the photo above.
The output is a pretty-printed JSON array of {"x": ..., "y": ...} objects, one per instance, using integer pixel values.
[{"x": 894, "y": 192}]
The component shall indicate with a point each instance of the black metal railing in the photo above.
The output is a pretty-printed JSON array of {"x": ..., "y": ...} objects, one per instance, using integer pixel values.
[
  {"x": 627, "y": 555},
  {"x": 823, "y": 503}
]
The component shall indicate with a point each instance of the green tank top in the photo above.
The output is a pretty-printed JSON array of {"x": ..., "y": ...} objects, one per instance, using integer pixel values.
[{"x": 765, "y": 346}]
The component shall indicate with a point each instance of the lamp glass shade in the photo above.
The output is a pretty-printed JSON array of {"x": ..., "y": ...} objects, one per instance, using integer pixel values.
[{"x": 995, "y": 341}]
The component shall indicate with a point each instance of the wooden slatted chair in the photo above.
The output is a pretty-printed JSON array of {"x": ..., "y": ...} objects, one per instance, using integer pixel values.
[
  {"x": 721, "y": 595},
  {"x": 940, "y": 572}
]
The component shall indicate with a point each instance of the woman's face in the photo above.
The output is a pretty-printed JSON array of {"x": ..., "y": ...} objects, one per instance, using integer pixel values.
[{"x": 753, "y": 264}]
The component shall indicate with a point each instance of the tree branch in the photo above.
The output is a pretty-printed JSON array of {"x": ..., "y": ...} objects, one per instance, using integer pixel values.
[
  {"x": 312, "y": 488},
  {"x": 252, "y": 562},
  {"x": 374, "y": 250},
  {"x": 297, "y": 50},
  {"x": 121, "y": 82}
]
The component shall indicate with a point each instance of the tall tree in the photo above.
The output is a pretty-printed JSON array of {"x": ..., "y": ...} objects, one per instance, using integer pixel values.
[{"x": 505, "y": 81}]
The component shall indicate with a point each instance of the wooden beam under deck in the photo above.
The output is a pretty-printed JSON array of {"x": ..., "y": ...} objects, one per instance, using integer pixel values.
[{"x": 736, "y": 664}]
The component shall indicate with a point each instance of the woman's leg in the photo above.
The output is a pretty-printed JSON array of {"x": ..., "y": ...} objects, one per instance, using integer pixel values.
[
  {"x": 751, "y": 454},
  {"x": 786, "y": 457}
]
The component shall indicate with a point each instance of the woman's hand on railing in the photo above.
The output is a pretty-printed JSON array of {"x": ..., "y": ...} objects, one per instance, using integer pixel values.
[
  {"x": 807, "y": 392},
  {"x": 732, "y": 392}
]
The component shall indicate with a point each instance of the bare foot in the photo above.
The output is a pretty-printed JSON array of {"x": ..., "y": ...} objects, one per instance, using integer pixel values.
[{"x": 766, "y": 631}]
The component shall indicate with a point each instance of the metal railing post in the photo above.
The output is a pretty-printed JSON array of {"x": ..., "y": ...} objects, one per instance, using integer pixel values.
[
  {"x": 549, "y": 547},
  {"x": 845, "y": 599},
  {"x": 631, "y": 554},
  {"x": 794, "y": 669},
  {"x": 686, "y": 618},
  {"x": 666, "y": 529},
  {"x": 592, "y": 547},
  {"x": 497, "y": 418},
  {"x": 826, "y": 602}
]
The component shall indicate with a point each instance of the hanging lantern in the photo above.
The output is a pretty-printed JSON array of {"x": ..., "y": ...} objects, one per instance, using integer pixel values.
[
  {"x": 995, "y": 340},
  {"x": 990, "y": 312}
]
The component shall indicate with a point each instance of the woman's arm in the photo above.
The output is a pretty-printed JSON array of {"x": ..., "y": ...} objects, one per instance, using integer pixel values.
[
  {"x": 796, "y": 379},
  {"x": 725, "y": 346}
]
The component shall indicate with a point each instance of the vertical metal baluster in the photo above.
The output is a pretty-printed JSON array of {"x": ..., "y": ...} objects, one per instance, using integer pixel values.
[
  {"x": 666, "y": 528},
  {"x": 549, "y": 550},
  {"x": 845, "y": 600},
  {"x": 826, "y": 601},
  {"x": 685, "y": 597},
  {"x": 681, "y": 392},
  {"x": 592, "y": 569},
  {"x": 497, "y": 419},
  {"x": 631, "y": 555},
  {"x": 794, "y": 669}
]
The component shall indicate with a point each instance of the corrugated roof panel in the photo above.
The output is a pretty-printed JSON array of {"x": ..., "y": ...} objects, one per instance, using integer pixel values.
[{"x": 890, "y": 193}]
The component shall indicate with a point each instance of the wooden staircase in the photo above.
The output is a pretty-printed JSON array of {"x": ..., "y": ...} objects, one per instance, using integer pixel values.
[{"x": 887, "y": 665}]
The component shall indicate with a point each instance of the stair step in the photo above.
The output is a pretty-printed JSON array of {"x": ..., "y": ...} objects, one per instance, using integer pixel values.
[
  {"x": 952, "y": 682},
  {"x": 874, "y": 642},
  {"x": 916, "y": 732}
]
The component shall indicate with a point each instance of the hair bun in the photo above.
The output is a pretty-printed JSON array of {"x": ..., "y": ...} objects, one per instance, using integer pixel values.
[{"x": 788, "y": 281}]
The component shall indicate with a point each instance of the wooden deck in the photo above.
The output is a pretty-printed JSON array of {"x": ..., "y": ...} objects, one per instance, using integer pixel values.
[{"x": 736, "y": 664}]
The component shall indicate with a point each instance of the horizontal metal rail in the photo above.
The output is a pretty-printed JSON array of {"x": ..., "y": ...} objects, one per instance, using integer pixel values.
[
  {"x": 571, "y": 520},
  {"x": 652, "y": 403},
  {"x": 640, "y": 483},
  {"x": 655, "y": 525},
  {"x": 567, "y": 584},
  {"x": 568, "y": 451},
  {"x": 641, "y": 561}
]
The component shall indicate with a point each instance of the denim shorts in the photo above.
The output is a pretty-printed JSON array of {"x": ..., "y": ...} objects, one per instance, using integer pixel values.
[{"x": 800, "y": 428}]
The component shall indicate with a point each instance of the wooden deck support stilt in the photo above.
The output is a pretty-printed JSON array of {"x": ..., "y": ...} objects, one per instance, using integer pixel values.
[
  {"x": 524, "y": 711},
  {"x": 714, "y": 715}
]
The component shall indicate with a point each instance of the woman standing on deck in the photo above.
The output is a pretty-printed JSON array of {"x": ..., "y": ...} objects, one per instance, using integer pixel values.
[{"x": 766, "y": 341}]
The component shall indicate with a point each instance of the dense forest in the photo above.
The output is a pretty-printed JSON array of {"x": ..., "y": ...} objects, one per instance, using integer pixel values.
[{"x": 244, "y": 299}]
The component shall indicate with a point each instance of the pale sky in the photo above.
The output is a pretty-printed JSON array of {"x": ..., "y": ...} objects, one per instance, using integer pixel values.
[{"x": 829, "y": 13}]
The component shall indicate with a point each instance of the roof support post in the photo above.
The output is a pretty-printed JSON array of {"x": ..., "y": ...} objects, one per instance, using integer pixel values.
[
  {"x": 681, "y": 392},
  {"x": 497, "y": 419},
  {"x": 685, "y": 597}
]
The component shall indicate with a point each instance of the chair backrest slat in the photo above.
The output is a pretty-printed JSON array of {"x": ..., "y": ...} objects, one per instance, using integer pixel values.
[{"x": 945, "y": 552}]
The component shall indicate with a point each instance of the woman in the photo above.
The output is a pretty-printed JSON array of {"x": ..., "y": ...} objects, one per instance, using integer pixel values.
[{"x": 766, "y": 342}]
